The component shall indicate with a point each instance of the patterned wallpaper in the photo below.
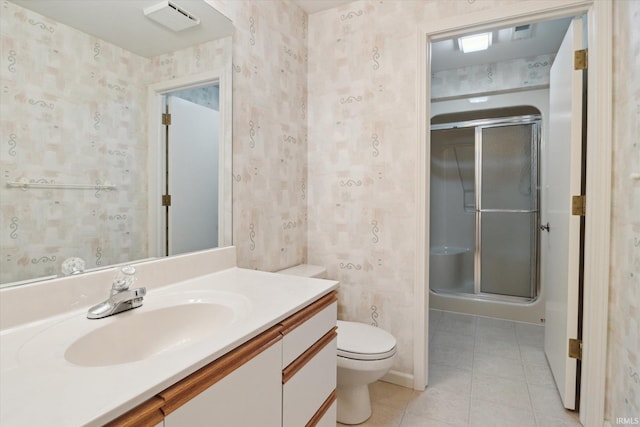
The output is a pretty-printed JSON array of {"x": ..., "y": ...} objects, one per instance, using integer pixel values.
[
  {"x": 623, "y": 382},
  {"x": 269, "y": 132},
  {"x": 70, "y": 105},
  {"x": 488, "y": 78}
]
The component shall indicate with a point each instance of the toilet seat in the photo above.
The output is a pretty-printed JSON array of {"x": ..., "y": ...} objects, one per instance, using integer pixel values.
[
  {"x": 360, "y": 341},
  {"x": 366, "y": 356}
]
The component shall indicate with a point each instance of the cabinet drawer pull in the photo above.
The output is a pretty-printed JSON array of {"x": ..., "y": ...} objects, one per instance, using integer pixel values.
[
  {"x": 185, "y": 390},
  {"x": 323, "y": 409},
  {"x": 148, "y": 413},
  {"x": 292, "y": 322}
]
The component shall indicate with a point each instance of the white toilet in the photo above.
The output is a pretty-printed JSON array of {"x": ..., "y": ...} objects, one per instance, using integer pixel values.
[{"x": 365, "y": 354}]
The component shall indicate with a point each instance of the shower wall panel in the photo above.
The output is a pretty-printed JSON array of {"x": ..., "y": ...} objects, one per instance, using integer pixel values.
[
  {"x": 453, "y": 202},
  {"x": 452, "y": 174}
]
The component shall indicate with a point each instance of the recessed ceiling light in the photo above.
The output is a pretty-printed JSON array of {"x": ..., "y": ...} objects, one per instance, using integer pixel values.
[
  {"x": 478, "y": 99},
  {"x": 475, "y": 42}
]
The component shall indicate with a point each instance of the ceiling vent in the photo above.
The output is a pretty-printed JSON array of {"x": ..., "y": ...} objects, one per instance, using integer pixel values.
[
  {"x": 522, "y": 32},
  {"x": 171, "y": 16}
]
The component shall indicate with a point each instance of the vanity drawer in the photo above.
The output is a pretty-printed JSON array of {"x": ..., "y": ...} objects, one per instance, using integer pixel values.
[
  {"x": 304, "y": 328},
  {"x": 309, "y": 382}
]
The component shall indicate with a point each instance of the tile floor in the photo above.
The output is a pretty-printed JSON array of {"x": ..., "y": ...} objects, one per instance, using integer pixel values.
[{"x": 482, "y": 372}]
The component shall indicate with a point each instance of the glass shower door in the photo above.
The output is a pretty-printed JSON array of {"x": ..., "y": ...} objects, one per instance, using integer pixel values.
[{"x": 507, "y": 210}]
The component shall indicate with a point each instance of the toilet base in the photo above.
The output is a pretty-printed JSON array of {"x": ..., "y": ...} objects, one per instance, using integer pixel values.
[{"x": 354, "y": 404}]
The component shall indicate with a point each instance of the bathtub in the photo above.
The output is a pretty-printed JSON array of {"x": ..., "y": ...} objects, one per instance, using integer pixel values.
[
  {"x": 451, "y": 273},
  {"x": 447, "y": 268}
]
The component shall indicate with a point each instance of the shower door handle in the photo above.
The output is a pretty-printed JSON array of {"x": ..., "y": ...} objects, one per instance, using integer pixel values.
[{"x": 546, "y": 227}]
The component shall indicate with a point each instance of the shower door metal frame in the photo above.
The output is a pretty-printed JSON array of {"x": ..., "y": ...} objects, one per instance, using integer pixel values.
[
  {"x": 534, "y": 283},
  {"x": 479, "y": 124}
]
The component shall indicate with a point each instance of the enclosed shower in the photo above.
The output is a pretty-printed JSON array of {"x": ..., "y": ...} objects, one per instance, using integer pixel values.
[{"x": 484, "y": 204}]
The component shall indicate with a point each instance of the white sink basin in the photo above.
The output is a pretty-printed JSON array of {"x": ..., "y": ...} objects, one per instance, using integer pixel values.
[
  {"x": 165, "y": 323},
  {"x": 149, "y": 333}
]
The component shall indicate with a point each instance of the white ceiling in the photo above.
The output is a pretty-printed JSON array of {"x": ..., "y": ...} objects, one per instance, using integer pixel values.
[
  {"x": 124, "y": 24},
  {"x": 546, "y": 38}
]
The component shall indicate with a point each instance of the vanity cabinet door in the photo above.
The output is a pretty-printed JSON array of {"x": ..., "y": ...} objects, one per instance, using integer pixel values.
[{"x": 249, "y": 396}]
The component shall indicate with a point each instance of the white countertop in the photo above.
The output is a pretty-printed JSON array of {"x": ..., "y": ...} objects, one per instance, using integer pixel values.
[{"x": 38, "y": 386}]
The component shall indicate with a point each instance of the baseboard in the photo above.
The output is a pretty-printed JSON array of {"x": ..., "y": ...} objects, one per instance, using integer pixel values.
[{"x": 399, "y": 378}]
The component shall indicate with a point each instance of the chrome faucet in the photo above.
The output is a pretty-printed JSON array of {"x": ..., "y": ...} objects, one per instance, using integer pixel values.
[{"x": 122, "y": 297}]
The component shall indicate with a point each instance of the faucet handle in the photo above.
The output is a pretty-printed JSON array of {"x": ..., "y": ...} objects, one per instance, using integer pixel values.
[{"x": 125, "y": 278}]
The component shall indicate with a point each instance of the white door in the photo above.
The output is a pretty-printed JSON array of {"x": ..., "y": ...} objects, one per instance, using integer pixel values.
[
  {"x": 193, "y": 176},
  {"x": 561, "y": 244}
]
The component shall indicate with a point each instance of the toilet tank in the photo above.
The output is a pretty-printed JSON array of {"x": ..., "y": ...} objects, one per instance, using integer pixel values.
[{"x": 306, "y": 270}]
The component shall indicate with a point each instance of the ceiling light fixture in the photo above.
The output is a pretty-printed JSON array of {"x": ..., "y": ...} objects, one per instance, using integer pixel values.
[
  {"x": 478, "y": 99},
  {"x": 475, "y": 42}
]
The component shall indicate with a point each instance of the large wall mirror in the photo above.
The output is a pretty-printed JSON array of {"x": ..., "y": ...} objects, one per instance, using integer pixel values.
[{"x": 88, "y": 154}]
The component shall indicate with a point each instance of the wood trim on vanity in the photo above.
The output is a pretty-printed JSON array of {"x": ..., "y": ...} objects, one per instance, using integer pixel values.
[
  {"x": 185, "y": 390},
  {"x": 323, "y": 409},
  {"x": 310, "y": 353},
  {"x": 295, "y": 320},
  {"x": 148, "y": 413}
]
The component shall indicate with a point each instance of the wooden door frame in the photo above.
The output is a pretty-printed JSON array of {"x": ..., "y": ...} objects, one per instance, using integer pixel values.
[{"x": 598, "y": 189}]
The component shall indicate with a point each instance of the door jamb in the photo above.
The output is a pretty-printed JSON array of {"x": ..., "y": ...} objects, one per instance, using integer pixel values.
[{"x": 598, "y": 189}]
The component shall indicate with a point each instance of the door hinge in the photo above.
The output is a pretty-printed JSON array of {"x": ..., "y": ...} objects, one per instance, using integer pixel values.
[
  {"x": 166, "y": 119},
  {"x": 166, "y": 200},
  {"x": 579, "y": 205},
  {"x": 575, "y": 348},
  {"x": 580, "y": 59}
]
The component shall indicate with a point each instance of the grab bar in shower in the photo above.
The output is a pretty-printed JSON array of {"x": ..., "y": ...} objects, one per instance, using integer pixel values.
[{"x": 507, "y": 210}]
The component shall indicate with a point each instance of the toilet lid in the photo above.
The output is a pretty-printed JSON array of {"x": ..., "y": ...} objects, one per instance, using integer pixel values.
[{"x": 364, "y": 342}]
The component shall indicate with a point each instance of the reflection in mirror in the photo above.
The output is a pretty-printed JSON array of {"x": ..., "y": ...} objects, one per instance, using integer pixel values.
[
  {"x": 191, "y": 170},
  {"x": 82, "y": 137}
]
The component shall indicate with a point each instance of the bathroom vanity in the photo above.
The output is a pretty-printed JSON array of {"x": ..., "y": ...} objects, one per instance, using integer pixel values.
[
  {"x": 283, "y": 377},
  {"x": 231, "y": 347}
]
